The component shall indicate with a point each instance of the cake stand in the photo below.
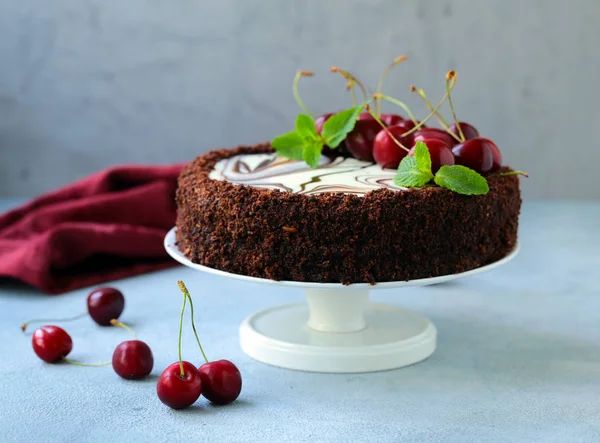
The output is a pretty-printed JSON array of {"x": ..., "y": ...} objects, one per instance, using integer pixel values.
[{"x": 338, "y": 329}]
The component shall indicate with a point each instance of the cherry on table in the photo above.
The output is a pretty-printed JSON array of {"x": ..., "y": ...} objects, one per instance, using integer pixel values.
[
  {"x": 178, "y": 389},
  {"x": 221, "y": 381},
  {"x": 133, "y": 359},
  {"x": 479, "y": 154},
  {"x": 426, "y": 134},
  {"x": 105, "y": 304},
  {"x": 386, "y": 152},
  {"x": 440, "y": 153},
  {"x": 468, "y": 130},
  {"x": 359, "y": 141},
  {"x": 51, "y": 343}
]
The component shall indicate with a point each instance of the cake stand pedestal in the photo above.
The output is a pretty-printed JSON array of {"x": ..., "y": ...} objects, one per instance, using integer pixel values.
[{"x": 338, "y": 329}]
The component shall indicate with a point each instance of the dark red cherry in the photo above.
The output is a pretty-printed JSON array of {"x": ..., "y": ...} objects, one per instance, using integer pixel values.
[
  {"x": 359, "y": 141},
  {"x": 177, "y": 391},
  {"x": 320, "y": 121},
  {"x": 480, "y": 154},
  {"x": 133, "y": 359},
  {"x": 365, "y": 116},
  {"x": 104, "y": 304},
  {"x": 426, "y": 134},
  {"x": 468, "y": 130},
  {"x": 391, "y": 119},
  {"x": 386, "y": 152},
  {"x": 440, "y": 153},
  {"x": 51, "y": 343},
  {"x": 221, "y": 381}
]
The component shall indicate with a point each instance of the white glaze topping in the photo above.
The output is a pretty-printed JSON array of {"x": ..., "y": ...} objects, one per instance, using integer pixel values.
[{"x": 346, "y": 175}]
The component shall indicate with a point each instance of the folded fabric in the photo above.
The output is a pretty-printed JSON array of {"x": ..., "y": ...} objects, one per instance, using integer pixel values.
[{"x": 107, "y": 226}]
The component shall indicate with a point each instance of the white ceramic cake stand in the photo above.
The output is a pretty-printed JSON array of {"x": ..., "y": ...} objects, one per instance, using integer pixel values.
[{"x": 338, "y": 329}]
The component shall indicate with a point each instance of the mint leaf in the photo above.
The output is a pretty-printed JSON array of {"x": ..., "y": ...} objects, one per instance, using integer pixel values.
[
  {"x": 311, "y": 153},
  {"x": 410, "y": 175},
  {"x": 423, "y": 157},
  {"x": 289, "y": 145},
  {"x": 339, "y": 125},
  {"x": 305, "y": 127},
  {"x": 461, "y": 180}
]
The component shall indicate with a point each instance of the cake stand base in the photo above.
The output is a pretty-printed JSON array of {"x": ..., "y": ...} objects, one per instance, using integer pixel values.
[{"x": 338, "y": 331}]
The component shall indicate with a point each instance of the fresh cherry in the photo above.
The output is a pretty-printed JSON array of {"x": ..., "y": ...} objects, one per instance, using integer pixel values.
[
  {"x": 179, "y": 390},
  {"x": 133, "y": 359},
  {"x": 468, "y": 130},
  {"x": 479, "y": 154},
  {"x": 440, "y": 153},
  {"x": 386, "y": 152},
  {"x": 365, "y": 116},
  {"x": 221, "y": 381},
  {"x": 360, "y": 140},
  {"x": 426, "y": 134},
  {"x": 51, "y": 343},
  {"x": 320, "y": 121},
  {"x": 104, "y": 304},
  {"x": 391, "y": 119}
]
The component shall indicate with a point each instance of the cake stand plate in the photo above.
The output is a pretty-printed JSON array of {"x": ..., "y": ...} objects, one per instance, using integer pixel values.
[{"x": 338, "y": 330}]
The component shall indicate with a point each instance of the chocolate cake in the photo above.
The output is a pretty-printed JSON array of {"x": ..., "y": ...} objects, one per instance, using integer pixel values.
[{"x": 247, "y": 211}]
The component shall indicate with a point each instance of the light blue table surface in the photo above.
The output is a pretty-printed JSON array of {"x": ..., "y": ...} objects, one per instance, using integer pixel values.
[{"x": 518, "y": 358}]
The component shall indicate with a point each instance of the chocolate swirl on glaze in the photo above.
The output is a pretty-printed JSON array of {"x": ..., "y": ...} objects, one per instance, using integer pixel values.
[{"x": 346, "y": 175}]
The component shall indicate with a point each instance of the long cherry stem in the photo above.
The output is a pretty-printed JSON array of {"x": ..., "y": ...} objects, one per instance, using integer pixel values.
[
  {"x": 180, "y": 333},
  {"x": 450, "y": 80},
  {"x": 396, "y": 61},
  {"x": 379, "y": 96},
  {"x": 78, "y": 363},
  {"x": 439, "y": 117},
  {"x": 186, "y": 293},
  {"x": 119, "y": 324},
  {"x": 351, "y": 78},
  {"x": 350, "y": 87},
  {"x": 297, "y": 78},
  {"x": 385, "y": 128},
  {"x": 46, "y": 320}
]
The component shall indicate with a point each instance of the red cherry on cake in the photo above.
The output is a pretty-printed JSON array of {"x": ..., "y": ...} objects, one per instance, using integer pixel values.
[
  {"x": 180, "y": 385},
  {"x": 440, "y": 153},
  {"x": 51, "y": 343},
  {"x": 104, "y": 304},
  {"x": 479, "y": 154},
  {"x": 359, "y": 141},
  {"x": 468, "y": 130},
  {"x": 386, "y": 152},
  {"x": 391, "y": 119},
  {"x": 221, "y": 381},
  {"x": 426, "y": 134}
]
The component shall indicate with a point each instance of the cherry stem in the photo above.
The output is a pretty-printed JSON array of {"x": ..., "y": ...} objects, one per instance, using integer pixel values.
[
  {"x": 78, "y": 363},
  {"x": 180, "y": 332},
  {"x": 450, "y": 81},
  {"x": 396, "y": 61},
  {"x": 350, "y": 87},
  {"x": 352, "y": 79},
  {"x": 297, "y": 78},
  {"x": 433, "y": 112},
  {"x": 397, "y": 103},
  {"x": 378, "y": 120},
  {"x": 439, "y": 117},
  {"x": 46, "y": 320},
  {"x": 116, "y": 322},
  {"x": 186, "y": 293},
  {"x": 506, "y": 174}
]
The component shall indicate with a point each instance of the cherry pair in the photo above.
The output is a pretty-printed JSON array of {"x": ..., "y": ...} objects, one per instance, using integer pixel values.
[
  {"x": 132, "y": 359},
  {"x": 182, "y": 383}
]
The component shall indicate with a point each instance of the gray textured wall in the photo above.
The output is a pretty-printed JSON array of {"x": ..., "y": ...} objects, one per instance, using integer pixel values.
[{"x": 85, "y": 84}]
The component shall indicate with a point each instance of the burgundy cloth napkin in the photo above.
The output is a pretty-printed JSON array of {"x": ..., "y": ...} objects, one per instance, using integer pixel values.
[{"x": 107, "y": 226}]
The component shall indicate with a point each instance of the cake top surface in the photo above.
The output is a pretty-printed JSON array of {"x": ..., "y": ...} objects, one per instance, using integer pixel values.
[{"x": 345, "y": 175}]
